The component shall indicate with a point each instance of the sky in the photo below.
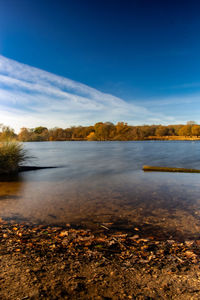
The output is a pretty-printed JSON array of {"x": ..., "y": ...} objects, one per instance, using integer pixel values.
[{"x": 66, "y": 63}]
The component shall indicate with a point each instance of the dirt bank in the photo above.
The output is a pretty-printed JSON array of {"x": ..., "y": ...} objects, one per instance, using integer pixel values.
[{"x": 40, "y": 262}]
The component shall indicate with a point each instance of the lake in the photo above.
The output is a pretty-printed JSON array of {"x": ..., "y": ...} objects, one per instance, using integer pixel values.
[{"x": 103, "y": 183}]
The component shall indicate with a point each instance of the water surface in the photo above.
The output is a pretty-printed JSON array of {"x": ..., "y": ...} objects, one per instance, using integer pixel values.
[{"x": 103, "y": 182}]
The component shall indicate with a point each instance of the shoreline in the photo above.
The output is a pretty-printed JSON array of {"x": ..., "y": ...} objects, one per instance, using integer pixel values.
[
  {"x": 52, "y": 262},
  {"x": 150, "y": 138},
  {"x": 173, "y": 138}
]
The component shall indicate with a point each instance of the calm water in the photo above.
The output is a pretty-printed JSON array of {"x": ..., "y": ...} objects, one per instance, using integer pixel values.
[{"x": 103, "y": 182}]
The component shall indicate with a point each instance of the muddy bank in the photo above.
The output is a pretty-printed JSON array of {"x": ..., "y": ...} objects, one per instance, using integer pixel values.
[
  {"x": 33, "y": 168},
  {"x": 46, "y": 262},
  {"x": 6, "y": 174}
]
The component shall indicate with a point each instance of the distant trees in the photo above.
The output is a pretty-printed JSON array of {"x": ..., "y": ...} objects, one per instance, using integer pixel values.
[
  {"x": 6, "y": 133},
  {"x": 161, "y": 131},
  {"x": 38, "y": 134},
  {"x": 91, "y": 136},
  {"x": 195, "y": 130},
  {"x": 185, "y": 130},
  {"x": 189, "y": 129},
  {"x": 101, "y": 131},
  {"x": 39, "y": 130},
  {"x": 122, "y": 131},
  {"x": 57, "y": 134},
  {"x": 24, "y": 135},
  {"x": 104, "y": 131},
  {"x": 146, "y": 131}
]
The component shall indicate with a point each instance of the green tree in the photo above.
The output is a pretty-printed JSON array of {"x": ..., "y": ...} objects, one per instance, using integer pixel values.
[{"x": 40, "y": 129}]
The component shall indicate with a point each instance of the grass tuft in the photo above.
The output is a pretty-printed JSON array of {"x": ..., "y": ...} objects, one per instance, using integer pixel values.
[{"x": 12, "y": 155}]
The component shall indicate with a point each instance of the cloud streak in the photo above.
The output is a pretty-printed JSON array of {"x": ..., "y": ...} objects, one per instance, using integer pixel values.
[{"x": 31, "y": 97}]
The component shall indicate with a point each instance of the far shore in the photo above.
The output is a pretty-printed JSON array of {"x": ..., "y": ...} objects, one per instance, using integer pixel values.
[
  {"x": 174, "y": 138},
  {"x": 150, "y": 138}
]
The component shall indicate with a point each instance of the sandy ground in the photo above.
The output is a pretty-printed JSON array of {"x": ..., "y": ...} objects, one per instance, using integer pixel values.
[{"x": 39, "y": 262}]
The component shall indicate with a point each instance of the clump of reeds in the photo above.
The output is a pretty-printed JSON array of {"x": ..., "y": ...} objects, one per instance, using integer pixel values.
[{"x": 12, "y": 155}]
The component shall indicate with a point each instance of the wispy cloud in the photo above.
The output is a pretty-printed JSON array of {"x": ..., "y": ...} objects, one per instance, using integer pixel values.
[
  {"x": 185, "y": 86},
  {"x": 173, "y": 100},
  {"x": 31, "y": 97}
]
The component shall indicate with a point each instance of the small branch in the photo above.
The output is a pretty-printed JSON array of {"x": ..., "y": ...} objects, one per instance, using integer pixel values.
[{"x": 169, "y": 169}]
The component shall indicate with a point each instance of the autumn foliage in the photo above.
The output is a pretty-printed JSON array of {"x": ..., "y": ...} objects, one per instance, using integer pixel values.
[{"x": 104, "y": 132}]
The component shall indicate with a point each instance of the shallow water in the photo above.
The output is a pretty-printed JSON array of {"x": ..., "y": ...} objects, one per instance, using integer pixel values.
[{"x": 103, "y": 182}]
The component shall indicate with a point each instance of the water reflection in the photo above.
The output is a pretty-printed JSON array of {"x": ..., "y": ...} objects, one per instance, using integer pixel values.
[
  {"x": 11, "y": 188},
  {"x": 103, "y": 182}
]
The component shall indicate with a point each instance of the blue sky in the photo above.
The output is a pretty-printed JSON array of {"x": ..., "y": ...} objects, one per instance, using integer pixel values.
[{"x": 136, "y": 61}]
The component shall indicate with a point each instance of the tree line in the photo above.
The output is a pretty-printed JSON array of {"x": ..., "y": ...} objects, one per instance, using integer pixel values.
[{"x": 101, "y": 132}]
